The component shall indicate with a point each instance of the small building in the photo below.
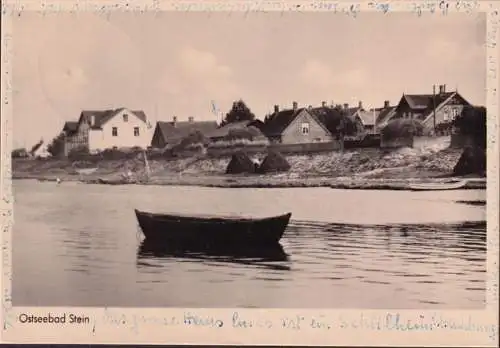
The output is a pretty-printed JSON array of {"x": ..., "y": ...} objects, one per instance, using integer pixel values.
[
  {"x": 368, "y": 120},
  {"x": 432, "y": 110},
  {"x": 103, "y": 129},
  {"x": 295, "y": 126},
  {"x": 172, "y": 132}
]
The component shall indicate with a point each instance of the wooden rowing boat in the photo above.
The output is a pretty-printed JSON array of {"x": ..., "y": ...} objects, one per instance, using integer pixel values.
[
  {"x": 85, "y": 171},
  {"x": 438, "y": 186},
  {"x": 211, "y": 230}
]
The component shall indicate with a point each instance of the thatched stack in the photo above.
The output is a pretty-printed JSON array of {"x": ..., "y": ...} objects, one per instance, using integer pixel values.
[
  {"x": 274, "y": 162},
  {"x": 472, "y": 161},
  {"x": 240, "y": 163}
]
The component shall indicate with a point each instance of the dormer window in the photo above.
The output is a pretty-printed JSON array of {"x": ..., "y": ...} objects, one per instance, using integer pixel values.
[{"x": 125, "y": 117}]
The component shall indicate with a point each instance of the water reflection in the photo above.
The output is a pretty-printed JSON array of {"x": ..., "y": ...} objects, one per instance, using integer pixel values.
[
  {"x": 262, "y": 256},
  {"x": 351, "y": 252}
]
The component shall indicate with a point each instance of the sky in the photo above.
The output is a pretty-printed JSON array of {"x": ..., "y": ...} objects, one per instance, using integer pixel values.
[{"x": 175, "y": 64}]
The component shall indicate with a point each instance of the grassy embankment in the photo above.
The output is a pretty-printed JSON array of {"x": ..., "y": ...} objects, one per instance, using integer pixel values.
[{"x": 354, "y": 169}]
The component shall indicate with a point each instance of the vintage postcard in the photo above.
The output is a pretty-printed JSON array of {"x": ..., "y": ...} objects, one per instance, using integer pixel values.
[{"x": 250, "y": 172}]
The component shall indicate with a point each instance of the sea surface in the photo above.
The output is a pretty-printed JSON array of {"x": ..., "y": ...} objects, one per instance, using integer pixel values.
[{"x": 76, "y": 244}]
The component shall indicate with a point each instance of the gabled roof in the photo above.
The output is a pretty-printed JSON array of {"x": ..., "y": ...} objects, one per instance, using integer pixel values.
[
  {"x": 384, "y": 114},
  {"x": 329, "y": 117},
  {"x": 279, "y": 121},
  {"x": 178, "y": 130},
  {"x": 425, "y": 102},
  {"x": 103, "y": 116},
  {"x": 351, "y": 111},
  {"x": 70, "y": 127},
  {"x": 368, "y": 118}
]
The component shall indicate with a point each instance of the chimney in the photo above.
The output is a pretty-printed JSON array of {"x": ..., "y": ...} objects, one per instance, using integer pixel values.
[
  {"x": 295, "y": 105},
  {"x": 191, "y": 119},
  {"x": 323, "y": 104},
  {"x": 442, "y": 89},
  {"x": 346, "y": 106},
  {"x": 360, "y": 104},
  {"x": 386, "y": 104},
  {"x": 174, "y": 120},
  {"x": 276, "y": 109}
]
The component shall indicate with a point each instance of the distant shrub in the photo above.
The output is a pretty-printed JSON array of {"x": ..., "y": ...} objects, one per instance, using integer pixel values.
[
  {"x": 472, "y": 122},
  {"x": 79, "y": 152},
  {"x": 19, "y": 153},
  {"x": 402, "y": 128},
  {"x": 247, "y": 133}
]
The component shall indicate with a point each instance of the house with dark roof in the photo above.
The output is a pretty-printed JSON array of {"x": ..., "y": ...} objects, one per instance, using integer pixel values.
[
  {"x": 103, "y": 129},
  {"x": 433, "y": 110},
  {"x": 297, "y": 125},
  {"x": 172, "y": 132}
]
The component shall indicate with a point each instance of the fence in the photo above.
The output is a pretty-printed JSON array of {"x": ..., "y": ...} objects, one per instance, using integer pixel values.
[{"x": 282, "y": 148}]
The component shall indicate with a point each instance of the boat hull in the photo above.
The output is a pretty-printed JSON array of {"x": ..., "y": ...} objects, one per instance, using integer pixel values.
[
  {"x": 438, "y": 186},
  {"x": 211, "y": 231}
]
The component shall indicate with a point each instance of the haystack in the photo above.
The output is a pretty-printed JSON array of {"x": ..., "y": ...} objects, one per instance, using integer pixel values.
[
  {"x": 240, "y": 163},
  {"x": 472, "y": 161},
  {"x": 274, "y": 162}
]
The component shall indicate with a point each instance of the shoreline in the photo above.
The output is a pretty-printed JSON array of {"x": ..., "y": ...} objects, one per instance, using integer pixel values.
[
  {"x": 393, "y": 184},
  {"x": 363, "y": 169}
]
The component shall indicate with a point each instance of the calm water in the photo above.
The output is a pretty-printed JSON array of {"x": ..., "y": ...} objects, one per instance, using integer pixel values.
[{"x": 77, "y": 244}]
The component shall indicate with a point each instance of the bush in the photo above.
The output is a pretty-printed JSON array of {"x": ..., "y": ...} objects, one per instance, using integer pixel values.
[
  {"x": 402, "y": 128},
  {"x": 472, "y": 122},
  {"x": 79, "y": 152},
  {"x": 19, "y": 153}
]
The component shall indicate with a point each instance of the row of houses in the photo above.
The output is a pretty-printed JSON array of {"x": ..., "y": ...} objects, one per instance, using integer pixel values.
[{"x": 98, "y": 130}]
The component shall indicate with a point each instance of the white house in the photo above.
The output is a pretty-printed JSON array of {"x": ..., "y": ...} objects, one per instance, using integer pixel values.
[{"x": 99, "y": 130}]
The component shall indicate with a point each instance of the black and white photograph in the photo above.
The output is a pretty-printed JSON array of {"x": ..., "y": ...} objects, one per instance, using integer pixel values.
[{"x": 249, "y": 160}]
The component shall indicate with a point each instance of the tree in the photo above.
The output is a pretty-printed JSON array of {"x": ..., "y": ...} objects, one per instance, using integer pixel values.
[
  {"x": 56, "y": 146},
  {"x": 239, "y": 112},
  {"x": 472, "y": 122}
]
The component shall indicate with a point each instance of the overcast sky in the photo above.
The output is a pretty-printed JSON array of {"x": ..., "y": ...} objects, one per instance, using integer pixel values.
[{"x": 175, "y": 63}]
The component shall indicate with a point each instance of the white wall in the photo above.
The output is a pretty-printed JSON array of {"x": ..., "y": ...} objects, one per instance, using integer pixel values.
[{"x": 104, "y": 139}]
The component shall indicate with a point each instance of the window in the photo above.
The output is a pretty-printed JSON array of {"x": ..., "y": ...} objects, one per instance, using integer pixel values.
[
  {"x": 136, "y": 131},
  {"x": 114, "y": 131},
  {"x": 305, "y": 128},
  {"x": 454, "y": 113},
  {"x": 446, "y": 115},
  {"x": 125, "y": 118}
]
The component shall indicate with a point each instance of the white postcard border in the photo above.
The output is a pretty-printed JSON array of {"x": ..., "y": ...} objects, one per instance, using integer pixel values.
[{"x": 170, "y": 326}]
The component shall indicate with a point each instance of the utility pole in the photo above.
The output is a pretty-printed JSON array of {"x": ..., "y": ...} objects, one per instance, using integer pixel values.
[{"x": 434, "y": 106}]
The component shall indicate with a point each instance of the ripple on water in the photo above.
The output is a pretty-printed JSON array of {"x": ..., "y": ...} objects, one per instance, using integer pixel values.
[{"x": 415, "y": 261}]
